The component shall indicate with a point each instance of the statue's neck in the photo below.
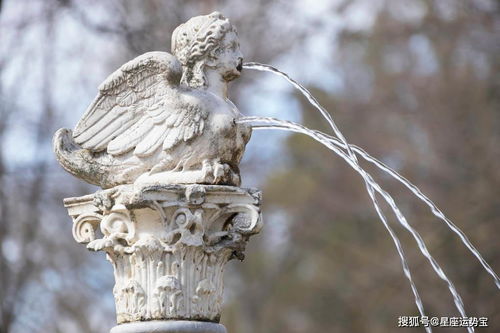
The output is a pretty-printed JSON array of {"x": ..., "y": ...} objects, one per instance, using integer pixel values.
[{"x": 215, "y": 83}]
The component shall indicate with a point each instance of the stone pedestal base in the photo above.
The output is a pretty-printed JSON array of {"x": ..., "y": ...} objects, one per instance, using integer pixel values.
[
  {"x": 169, "y": 326},
  {"x": 168, "y": 246}
]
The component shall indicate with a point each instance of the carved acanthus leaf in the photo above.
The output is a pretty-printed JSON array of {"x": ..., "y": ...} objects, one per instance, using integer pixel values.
[{"x": 168, "y": 244}]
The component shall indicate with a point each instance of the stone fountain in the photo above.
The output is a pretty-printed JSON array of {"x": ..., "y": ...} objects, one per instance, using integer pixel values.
[{"x": 162, "y": 141}]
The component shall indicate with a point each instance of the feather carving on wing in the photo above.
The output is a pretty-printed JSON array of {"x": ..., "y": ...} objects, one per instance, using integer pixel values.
[{"x": 139, "y": 109}]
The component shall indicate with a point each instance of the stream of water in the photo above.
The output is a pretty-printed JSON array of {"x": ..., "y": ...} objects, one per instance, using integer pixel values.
[{"x": 339, "y": 145}]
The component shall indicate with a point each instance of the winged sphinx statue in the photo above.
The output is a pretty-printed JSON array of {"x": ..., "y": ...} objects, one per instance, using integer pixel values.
[{"x": 164, "y": 118}]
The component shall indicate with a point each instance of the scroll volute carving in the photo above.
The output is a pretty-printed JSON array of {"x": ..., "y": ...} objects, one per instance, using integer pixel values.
[
  {"x": 232, "y": 225},
  {"x": 85, "y": 227},
  {"x": 118, "y": 228}
]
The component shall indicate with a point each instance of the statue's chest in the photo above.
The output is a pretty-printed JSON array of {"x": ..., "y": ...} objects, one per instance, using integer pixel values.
[
  {"x": 222, "y": 115},
  {"x": 221, "y": 120},
  {"x": 225, "y": 107}
]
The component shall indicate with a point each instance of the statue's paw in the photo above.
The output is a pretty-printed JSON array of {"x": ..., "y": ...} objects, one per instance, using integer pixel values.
[
  {"x": 215, "y": 172},
  {"x": 224, "y": 174},
  {"x": 220, "y": 172},
  {"x": 207, "y": 172}
]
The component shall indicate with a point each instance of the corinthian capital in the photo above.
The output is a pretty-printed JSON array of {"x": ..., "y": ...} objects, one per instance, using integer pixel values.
[{"x": 168, "y": 245}]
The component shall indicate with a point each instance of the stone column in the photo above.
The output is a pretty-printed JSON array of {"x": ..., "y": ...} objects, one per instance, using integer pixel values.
[{"x": 168, "y": 246}]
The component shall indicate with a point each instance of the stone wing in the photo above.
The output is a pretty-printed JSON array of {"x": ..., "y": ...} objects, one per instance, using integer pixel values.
[
  {"x": 138, "y": 108},
  {"x": 165, "y": 125}
]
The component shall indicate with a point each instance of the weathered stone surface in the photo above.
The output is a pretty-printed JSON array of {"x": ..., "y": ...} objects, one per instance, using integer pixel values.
[
  {"x": 168, "y": 244},
  {"x": 161, "y": 139},
  {"x": 163, "y": 118}
]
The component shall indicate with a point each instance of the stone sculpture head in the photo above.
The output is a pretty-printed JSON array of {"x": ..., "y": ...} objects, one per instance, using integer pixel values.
[{"x": 208, "y": 41}]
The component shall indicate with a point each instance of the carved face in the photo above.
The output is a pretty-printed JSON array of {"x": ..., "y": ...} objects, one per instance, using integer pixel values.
[
  {"x": 229, "y": 57},
  {"x": 208, "y": 41}
]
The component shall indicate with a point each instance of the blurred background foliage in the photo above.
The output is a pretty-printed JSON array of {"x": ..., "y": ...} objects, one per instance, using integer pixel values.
[{"x": 415, "y": 82}]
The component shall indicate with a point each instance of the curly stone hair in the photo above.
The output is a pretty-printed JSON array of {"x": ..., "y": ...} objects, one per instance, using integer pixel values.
[{"x": 196, "y": 41}]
